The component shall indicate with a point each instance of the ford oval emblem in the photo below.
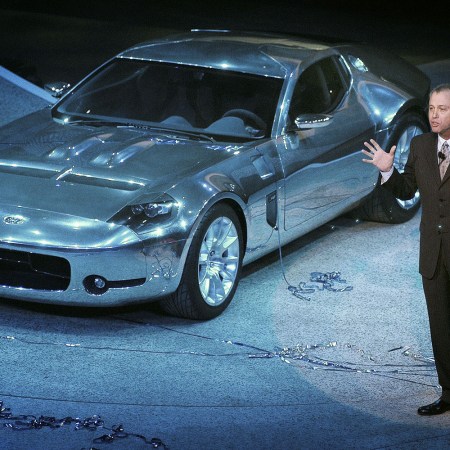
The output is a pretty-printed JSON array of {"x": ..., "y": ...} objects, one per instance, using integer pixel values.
[{"x": 14, "y": 220}]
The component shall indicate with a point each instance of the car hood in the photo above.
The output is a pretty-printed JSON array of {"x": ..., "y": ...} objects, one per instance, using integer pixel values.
[{"x": 93, "y": 171}]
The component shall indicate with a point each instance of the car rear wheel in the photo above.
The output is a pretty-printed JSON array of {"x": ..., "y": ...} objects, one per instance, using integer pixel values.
[
  {"x": 212, "y": 269},
  {"x": 382, "y": 206}
]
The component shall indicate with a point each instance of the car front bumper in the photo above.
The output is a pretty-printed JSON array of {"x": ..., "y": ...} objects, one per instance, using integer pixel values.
[{"x": 65, "y": 260}]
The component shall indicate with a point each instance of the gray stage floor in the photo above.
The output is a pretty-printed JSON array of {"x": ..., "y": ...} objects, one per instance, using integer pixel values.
[{"x": 343, "y": 370}]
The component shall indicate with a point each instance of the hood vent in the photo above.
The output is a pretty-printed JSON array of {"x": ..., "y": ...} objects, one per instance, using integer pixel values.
[
  {"x": 101, "y": 182},
  {"x": 28, "y": 171}
]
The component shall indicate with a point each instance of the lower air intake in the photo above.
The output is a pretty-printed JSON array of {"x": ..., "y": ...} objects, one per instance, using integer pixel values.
[{"x": 33, "y": 271}]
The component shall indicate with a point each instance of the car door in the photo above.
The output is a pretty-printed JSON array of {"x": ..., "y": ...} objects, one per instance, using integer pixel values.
[{"x": 322, "y": 162}]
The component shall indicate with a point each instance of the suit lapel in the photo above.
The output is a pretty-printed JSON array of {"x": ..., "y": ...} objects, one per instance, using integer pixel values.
[
  {"x": 446, "y": 176},
  {"x": 431, "y": 159}
]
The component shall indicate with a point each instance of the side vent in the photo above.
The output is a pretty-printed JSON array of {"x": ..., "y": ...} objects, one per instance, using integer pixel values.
[{"x": 271, "y": 209}]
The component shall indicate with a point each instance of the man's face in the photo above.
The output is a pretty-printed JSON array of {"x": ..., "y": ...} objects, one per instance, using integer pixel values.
[{"x": 439, "y": 113}]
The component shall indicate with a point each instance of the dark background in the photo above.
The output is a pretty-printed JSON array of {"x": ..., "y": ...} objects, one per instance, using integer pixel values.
[
  {"x": 150, "y": 12},
  {"x": 56, "y": 40}
]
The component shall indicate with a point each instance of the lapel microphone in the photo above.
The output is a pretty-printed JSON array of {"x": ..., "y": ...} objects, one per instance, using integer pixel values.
[{"x": 441, "y": 157}]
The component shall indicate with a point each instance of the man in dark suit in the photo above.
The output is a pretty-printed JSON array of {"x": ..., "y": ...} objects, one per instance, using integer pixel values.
[{"x": 425, "y": 171}]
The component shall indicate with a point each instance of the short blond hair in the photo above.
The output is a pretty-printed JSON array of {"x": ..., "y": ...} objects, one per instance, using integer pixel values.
[{"x": 440, "y": 88}]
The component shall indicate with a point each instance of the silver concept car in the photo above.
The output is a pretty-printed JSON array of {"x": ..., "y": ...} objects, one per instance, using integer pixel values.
[{"x": 181, "y": 159}]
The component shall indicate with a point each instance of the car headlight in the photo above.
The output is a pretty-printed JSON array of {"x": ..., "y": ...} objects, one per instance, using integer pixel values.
[
  {"x": 152, "y": 210},
  {"x": 143, "y": 213}
]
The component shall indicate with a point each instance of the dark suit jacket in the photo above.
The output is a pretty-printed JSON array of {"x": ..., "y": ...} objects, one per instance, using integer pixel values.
[{"x": 422, "y": 173}]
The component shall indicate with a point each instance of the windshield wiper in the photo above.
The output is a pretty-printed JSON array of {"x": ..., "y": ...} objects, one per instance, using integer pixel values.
[
  {"x": 174, "y": 133},
  {"x": 119, "y": 124},
  {"x": 97, "y": 122}
]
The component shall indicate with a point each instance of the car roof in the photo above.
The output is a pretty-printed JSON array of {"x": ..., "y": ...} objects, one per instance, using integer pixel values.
[{"x": 266, "y": 54}]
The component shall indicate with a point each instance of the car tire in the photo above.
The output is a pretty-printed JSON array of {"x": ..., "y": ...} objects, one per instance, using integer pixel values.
[
  {"x": 381, "y": 205},
  {"x": 213, "y": 267}
]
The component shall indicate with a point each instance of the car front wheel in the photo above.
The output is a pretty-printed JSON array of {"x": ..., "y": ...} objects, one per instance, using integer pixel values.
[{"x": 212, "y": 269}]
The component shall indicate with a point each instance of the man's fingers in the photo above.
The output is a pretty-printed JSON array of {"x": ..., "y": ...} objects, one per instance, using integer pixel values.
[
  {"x": 374, "y": 147},
  {"x": 370, "y": 147},
  {"x": 375, "y": 144},
  {"x": 378, "y": 157}
]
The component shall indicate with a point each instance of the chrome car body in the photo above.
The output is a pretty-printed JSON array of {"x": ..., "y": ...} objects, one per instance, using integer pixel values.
[{"x": 101, "y": 208}]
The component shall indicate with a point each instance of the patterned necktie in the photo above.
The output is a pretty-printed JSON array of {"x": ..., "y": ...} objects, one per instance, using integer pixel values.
[{"x": 446, "y": 159}]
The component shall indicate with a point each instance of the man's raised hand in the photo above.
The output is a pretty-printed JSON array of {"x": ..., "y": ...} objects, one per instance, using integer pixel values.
[{"x": 378, "y": 157}]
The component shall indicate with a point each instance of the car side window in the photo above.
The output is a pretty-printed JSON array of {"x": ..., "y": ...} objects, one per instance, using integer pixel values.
[{"x": 320, "y": 88}]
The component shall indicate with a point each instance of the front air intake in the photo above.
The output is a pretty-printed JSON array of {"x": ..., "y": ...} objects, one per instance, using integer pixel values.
[{"x": 33, "y": 271}]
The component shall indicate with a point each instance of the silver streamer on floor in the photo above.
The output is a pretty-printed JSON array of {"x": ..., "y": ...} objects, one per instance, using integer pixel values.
[
  {"x": 309, "y": 356},
  {"x": 324, "y": 356},
  {"x": 323, "y": 281},
  {"x": 22, "y": 422},
  {"x": 305, "y": 356}
]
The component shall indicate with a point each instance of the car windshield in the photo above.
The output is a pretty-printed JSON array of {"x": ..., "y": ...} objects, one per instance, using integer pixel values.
[{"x": 177, "y": 97}]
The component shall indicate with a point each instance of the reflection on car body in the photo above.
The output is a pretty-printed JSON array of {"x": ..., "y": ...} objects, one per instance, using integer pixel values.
[{"x": 170, "y": 166}]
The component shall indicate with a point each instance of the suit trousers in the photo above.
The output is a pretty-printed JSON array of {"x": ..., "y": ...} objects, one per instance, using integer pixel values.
[{"x": 437, "y": 295}]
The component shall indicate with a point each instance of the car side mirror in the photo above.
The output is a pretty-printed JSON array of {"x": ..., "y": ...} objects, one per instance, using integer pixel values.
[
  {"x": 307, "y": 121},
  {"x": 57, "y": 88}
]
